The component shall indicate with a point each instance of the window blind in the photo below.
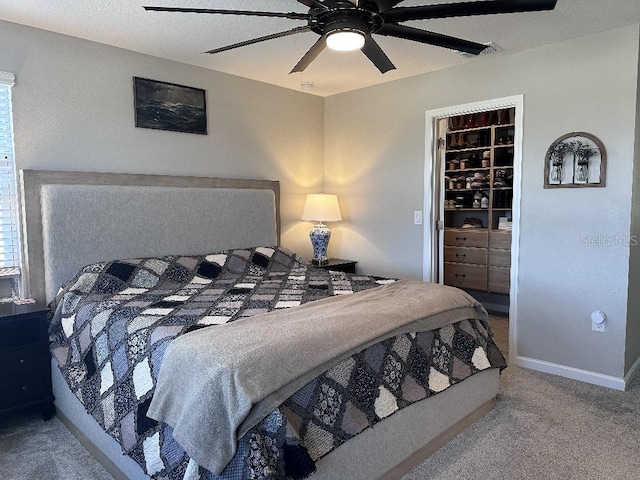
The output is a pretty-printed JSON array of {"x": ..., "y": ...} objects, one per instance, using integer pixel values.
[{"x": 9, "y": 232}]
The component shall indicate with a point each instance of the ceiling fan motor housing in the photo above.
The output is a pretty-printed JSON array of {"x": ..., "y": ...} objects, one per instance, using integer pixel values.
[{"x": 343, "y": 15}]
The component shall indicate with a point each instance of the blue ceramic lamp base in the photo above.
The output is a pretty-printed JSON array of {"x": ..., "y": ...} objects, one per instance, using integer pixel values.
[{"x": 320, "y": 236}]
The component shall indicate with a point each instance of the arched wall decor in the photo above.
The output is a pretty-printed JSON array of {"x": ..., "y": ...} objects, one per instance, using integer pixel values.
[{"x": 576, "y": 159}]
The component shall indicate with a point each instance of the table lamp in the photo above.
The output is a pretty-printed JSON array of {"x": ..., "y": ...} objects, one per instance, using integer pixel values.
[{"x": 321, "y": 207}]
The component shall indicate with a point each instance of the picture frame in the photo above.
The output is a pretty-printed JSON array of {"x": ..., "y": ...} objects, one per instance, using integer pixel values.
[
  {"x": 577, "y": 159},
  {"x": 168, "y": 106}
]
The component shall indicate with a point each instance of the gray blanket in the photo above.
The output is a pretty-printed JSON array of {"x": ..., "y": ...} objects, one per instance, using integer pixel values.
[{"x": 216, "y": 383}]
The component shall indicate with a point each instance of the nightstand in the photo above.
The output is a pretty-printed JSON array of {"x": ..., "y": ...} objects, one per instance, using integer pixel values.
[
  {"x": 339, "y": 265},
  {"x": 25, "y": 366}
]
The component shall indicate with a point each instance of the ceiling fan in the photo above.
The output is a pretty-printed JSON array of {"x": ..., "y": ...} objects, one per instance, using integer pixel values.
[{"x": 349, "y": 24}]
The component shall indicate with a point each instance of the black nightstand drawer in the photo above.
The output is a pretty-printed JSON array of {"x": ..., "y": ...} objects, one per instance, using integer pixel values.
[
  {"x": 24, "y": 389},
  {"x": 22, "y": 360},
  {"x": 25, "y": 366},
  {"x": 20, "y": 331}
]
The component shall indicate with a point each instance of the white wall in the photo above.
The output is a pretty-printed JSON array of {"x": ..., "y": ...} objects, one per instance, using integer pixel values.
[
  {"x": 73, "y": 110},
  {"x": 374, "y": 159}
]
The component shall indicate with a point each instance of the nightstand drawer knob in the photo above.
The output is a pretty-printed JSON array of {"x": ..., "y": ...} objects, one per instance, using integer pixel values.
[
  {"x": 21, "y": 360},
  {"x": 24, "y": 387}
]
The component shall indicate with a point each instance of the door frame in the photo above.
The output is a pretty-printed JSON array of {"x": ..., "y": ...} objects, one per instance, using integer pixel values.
[{"x": 434, "y": 195}]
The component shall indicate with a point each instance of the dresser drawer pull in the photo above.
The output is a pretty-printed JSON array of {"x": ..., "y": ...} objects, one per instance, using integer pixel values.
[
  {"x": 461, "y": 239},
  {"x": 460, "y": 276},
  {"x": 21, "y": 360},
  {"x": 461, "y": 255},
  {"x": 24, "y": 388}
]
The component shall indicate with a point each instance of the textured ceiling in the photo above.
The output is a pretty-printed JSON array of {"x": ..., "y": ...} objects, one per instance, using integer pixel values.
[{"x": 182, "y": 37}]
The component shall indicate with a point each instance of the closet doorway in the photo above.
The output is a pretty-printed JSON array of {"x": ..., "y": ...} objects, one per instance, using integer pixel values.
[{"x": 472, "y": 200}]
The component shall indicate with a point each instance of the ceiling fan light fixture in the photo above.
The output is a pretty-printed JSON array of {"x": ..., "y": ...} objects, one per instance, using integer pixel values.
[{"x": 346, "y": 40}]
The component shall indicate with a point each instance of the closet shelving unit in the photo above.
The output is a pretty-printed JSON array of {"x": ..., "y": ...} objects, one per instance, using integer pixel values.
[{"x": 478, "y": 194}]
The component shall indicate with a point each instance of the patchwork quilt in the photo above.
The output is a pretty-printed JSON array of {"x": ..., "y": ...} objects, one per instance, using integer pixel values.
[{"x": 111, "y": 324}]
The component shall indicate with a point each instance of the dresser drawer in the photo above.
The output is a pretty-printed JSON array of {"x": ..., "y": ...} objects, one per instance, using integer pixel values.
[
  {"x": 20, "y": 331},
  {"x": 20, "y": 390},
  {"x": 499, "y": 279},
  {"x": 499, "y": 258},
  {"x": 473, "y": 277},
  {"x": 466, "y": 238},
  {"x": 499, "y": 239},
  {"x": 477, "y": 256},
  {"x": 19, "y": 361}
]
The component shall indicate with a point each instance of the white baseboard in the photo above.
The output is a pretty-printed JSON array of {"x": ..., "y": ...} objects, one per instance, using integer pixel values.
[
  {"x": 633, "y": 371},
  {"x": 576, "y": 373}
]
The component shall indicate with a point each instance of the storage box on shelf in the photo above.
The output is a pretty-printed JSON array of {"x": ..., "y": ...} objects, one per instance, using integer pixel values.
[{"x": 478, "y": 189}]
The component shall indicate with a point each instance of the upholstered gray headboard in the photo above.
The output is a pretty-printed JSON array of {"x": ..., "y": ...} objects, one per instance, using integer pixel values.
[{"x": 72, "y": 219}]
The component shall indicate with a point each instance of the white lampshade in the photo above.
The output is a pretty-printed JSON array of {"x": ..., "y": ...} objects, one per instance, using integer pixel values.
[
  {"x": 321, "y": 207},
  {"x": 345, "y": 40}
]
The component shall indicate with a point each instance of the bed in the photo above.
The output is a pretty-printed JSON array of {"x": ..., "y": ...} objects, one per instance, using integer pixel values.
[{"x": 120, "y": 234}]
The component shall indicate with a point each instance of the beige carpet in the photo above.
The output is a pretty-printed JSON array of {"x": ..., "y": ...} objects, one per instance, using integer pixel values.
[
  {"x": 544, "y": 427},
  {"x": 31, "y": 449},
  {"x": 500, "y": 326}
]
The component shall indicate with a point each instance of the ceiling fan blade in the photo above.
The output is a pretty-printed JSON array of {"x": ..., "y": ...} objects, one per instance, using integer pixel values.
[
  {"x": 465, "y": 9},
  {"x": 290, "y": 15},
  {"x": 261, "y": 39},
  {"x": 385, "y": 5},
  {"x": 311, "y": 55},
  {"x": 373, "y": 51},
  {"x": 313, "y": 3},
  {"x": 432, "y": 38}
]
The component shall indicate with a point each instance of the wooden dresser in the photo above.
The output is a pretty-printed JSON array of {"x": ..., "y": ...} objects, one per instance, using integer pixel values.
[
  {"x": 465, "y": 258},
  {"x": 477, "y": 259}
]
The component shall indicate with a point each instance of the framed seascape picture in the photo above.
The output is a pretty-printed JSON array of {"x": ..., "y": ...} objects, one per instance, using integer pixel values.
[{"x": 167, "y": 106}]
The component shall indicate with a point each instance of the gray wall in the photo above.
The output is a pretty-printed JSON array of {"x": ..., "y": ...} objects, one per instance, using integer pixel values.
[
  {"x": 374, "y": 159},
  {"x": 73, "y": 110},
  {"x": 632, "y": 349}
]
